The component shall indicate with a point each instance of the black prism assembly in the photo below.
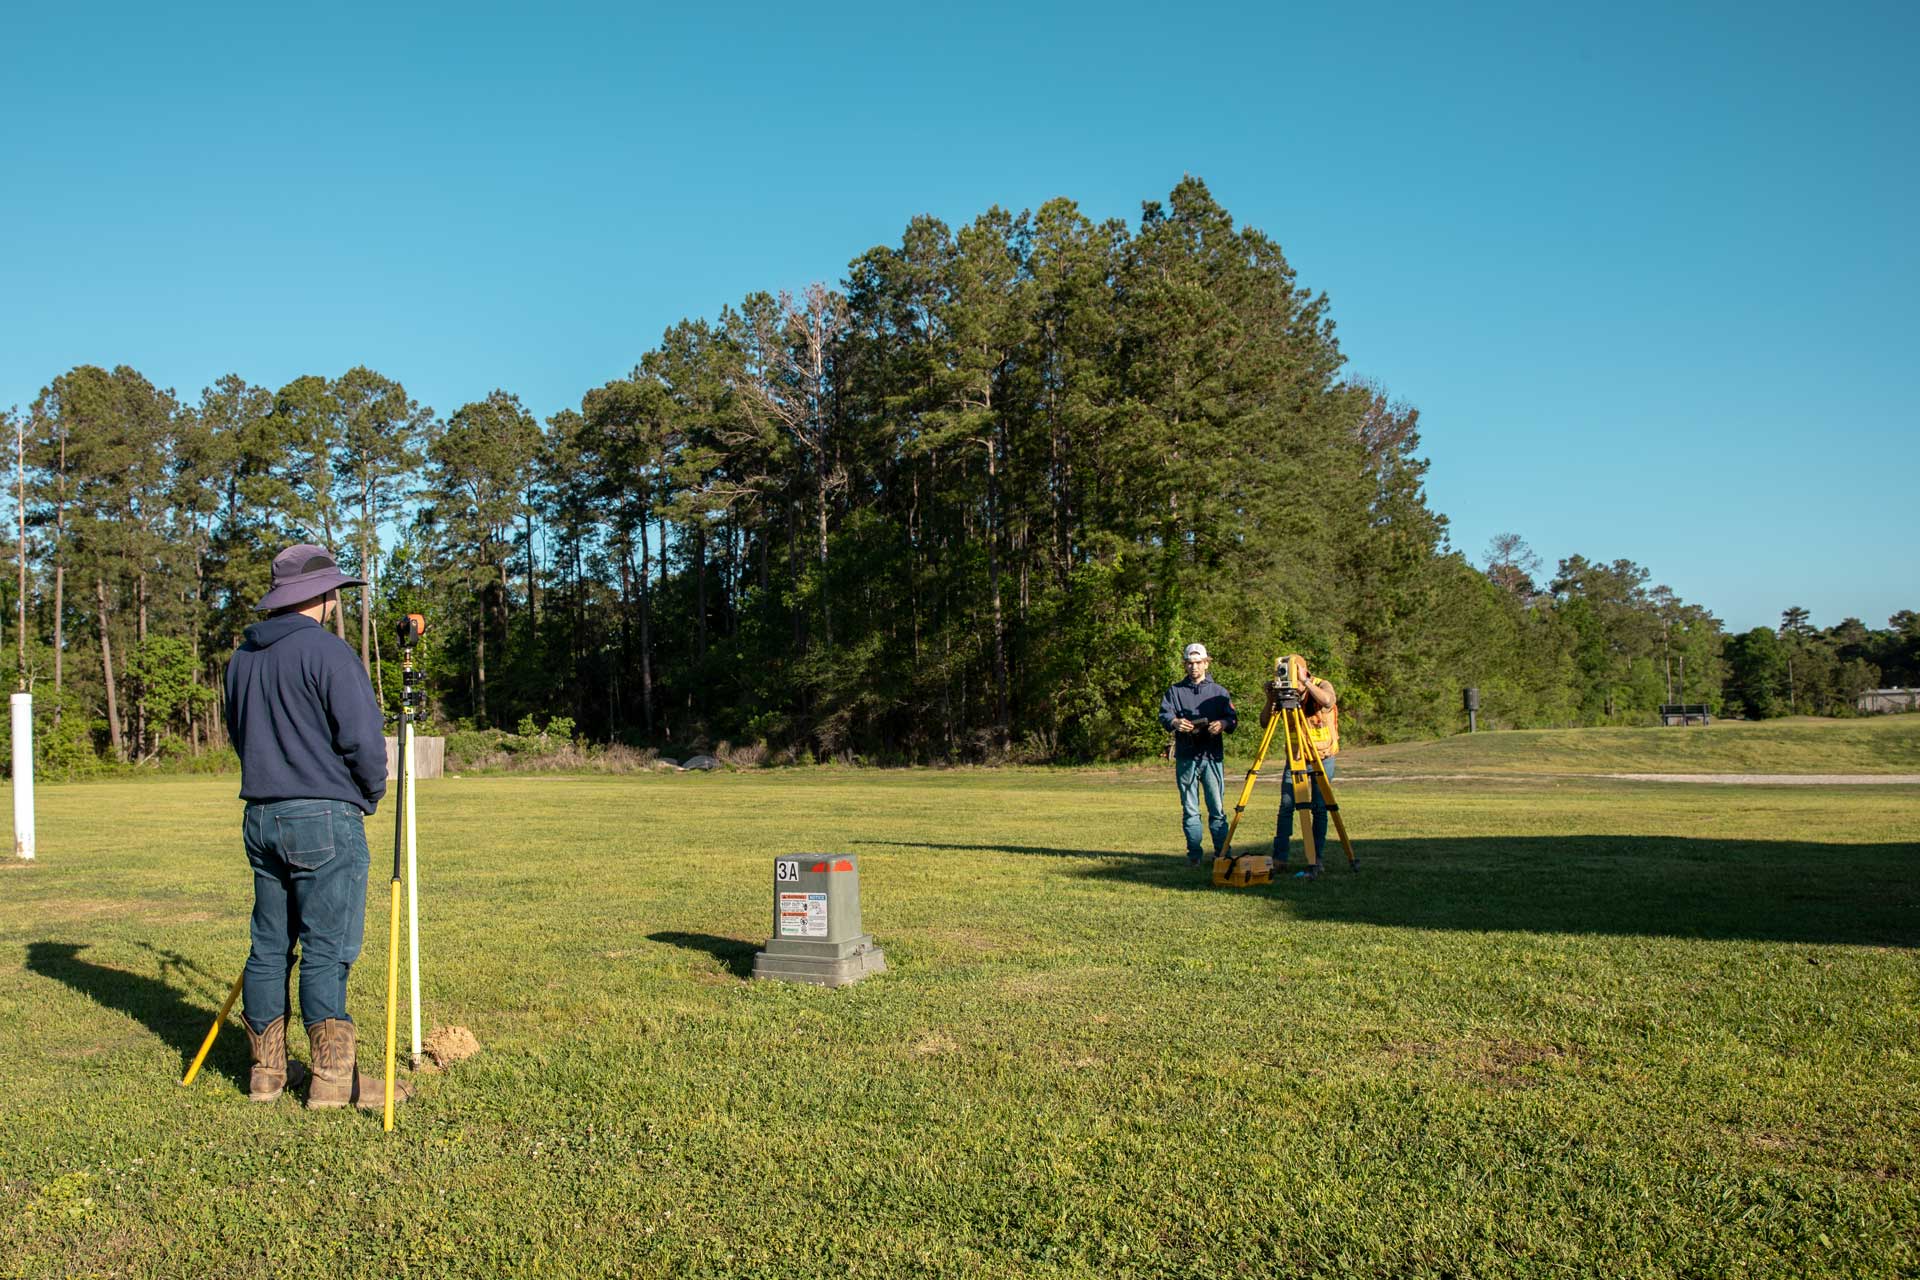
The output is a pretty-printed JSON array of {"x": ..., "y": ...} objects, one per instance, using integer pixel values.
[{"x": 816, "y": 923}]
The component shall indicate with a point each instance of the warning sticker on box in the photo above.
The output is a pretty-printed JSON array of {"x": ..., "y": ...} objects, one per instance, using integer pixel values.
[{"x": 803, "y": 915}]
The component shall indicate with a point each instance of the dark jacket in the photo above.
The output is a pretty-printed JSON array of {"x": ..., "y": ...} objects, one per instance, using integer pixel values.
[
  {"x": 303, "y": 717},
  {"x": 1199, "y": 703}
]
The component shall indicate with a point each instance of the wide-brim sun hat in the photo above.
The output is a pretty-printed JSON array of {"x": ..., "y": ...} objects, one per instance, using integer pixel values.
[{"x": 304, "y": 572}]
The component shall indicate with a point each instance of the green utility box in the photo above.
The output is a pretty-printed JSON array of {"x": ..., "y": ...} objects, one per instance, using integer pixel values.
[{"x": 816, "y": 923}]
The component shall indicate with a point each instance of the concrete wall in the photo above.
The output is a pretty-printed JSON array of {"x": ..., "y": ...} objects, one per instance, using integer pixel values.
[
  {"x": 1888, "y": 700},
  {"x": 429, "y": 757}
]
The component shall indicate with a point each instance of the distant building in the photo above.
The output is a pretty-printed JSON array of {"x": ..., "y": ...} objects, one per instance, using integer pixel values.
[{"x": 1876, "y": 700}]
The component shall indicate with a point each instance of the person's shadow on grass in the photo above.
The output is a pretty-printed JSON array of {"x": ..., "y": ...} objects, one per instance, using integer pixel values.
[
  {"x": 1665, "y": 886},
  {"x": 166, "y": 1011}
]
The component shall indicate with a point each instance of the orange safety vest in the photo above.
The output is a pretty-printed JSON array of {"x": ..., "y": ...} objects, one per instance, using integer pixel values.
[{"x": 1323, "y": 730}]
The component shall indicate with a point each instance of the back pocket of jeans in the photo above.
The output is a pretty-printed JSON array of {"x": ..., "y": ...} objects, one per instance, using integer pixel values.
[{"x": 306, "y": 837}]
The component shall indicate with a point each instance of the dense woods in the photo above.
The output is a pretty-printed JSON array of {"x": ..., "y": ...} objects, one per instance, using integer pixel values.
[{"x": 966, "y": 506}]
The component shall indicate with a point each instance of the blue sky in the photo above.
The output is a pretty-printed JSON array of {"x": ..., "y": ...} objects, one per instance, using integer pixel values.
[{"x": 1648, "y": 270}]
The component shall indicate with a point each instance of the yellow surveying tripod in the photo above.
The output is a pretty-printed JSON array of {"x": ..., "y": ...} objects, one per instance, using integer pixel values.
[{"x": 1305, "y": 770}]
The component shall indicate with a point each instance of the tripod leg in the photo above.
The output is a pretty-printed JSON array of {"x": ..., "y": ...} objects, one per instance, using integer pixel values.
[
  {"x": 1325, "y": 783},
  {"x": 1300, "y": 781},
  {"x": 1246, "y": 791}
]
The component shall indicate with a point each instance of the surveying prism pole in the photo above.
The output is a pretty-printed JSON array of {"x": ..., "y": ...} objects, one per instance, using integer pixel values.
[
  {"x": 411, "y": 628},
  {"x": 407, "y": 764},
  {"x": 413, "y": 902}
]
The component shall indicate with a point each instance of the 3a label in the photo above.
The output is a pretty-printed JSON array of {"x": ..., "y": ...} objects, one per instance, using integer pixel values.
[{"x": 786, "y": 871}]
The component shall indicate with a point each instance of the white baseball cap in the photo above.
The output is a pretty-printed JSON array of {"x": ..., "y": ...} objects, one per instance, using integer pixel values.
[{"x": 1196, "y": 650}]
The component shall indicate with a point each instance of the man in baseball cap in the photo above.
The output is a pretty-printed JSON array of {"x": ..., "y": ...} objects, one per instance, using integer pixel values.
[
  {"x": 1198, "y": 711},
  {"x": 313, "y": 764}
]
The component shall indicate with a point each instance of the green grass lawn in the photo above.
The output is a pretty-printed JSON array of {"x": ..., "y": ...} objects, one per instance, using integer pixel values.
[{"x": 1554, "y": 1026}]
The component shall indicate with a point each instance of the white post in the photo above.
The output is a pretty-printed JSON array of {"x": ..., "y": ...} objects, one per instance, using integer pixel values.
[
  {"x": 413, "y": 891},
  {"x": 23, "y": 775}
]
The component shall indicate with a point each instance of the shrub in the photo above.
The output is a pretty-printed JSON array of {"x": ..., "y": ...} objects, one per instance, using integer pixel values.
[
  {"x": 751, "y": 756},
  {"x": 63, "y": 734}
]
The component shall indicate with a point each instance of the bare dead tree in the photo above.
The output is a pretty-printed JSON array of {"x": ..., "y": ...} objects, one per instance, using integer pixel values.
[
  {"x": 787, "y": 385},
  {"x": 1512, "y": 565}
]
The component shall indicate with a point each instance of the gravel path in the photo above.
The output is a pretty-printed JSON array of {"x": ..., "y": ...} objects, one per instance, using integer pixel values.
[{"x": 1777, "y": 779}]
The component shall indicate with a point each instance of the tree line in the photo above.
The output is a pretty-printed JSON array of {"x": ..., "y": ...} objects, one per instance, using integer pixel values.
[{"x": 966, "y": 506}]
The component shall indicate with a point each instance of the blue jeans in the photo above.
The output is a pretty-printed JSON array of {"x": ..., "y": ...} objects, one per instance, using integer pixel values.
[
  {"x": 1283, "y": 834},
  {"x": 309, "y": 887},
  {"x": 1201, "y": 776}
]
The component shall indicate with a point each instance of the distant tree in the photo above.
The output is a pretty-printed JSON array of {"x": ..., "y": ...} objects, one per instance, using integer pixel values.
[
  {"x": 117, "y": 454},
  {"x": 1617, "y": 634},
  {"x": 786, "y": 386},
  {"x": 1757, "y": 671},
  {"x": 1511, "y": 565},
  {"x": 310, "y": 428},
  {"x": 164, "y": 674},
  {"x": 1901, "y": 649},
  {"x": 622, "y": 443},
  {"x": 478, "y": 467},
  {"x": 1810, "y": 664},
  {"x": 236, "y": 494},
  {"x": 377, "y": 451}
]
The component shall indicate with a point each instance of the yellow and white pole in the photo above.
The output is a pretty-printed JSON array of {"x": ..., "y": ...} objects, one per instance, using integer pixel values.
[
  {"x": 393, "y": 994},
  {"x": 411, "y": 629},
  {"x": 407, "y": 762},
  {"x": 393, "y": 884}
]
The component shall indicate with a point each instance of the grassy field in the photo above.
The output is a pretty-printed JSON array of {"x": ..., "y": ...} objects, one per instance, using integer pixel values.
[
  {"x": 1554, "y": 1026},
  {"x": 1882, "y": 744}
]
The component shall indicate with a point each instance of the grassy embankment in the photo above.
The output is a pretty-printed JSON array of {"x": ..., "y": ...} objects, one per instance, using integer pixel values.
[
  {"x": 1881, "y": 744},
  {"x": 1553, "y": 1027}
]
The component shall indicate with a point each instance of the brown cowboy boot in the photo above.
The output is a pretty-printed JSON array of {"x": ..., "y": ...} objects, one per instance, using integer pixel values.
[
  {"x": 272, "y": 1073},
  {"x": 337, "y": 1078}
]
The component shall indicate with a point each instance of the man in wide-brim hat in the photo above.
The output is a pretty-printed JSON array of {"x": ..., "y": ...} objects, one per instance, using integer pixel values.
[{"x": 313, "y": 764}]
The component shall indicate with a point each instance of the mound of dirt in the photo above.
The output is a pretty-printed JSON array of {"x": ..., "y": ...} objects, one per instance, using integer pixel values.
[{"x": 445, "y": 1046}]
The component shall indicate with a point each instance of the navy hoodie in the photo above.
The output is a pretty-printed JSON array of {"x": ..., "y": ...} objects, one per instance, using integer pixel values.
[
  {"x": 303, "y": 717},
  {"x": 1199, "y": 703}
]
